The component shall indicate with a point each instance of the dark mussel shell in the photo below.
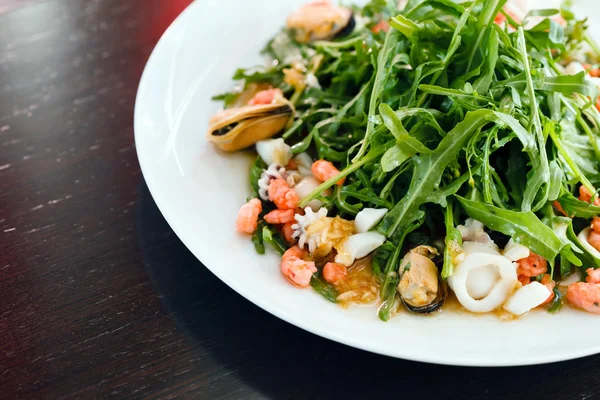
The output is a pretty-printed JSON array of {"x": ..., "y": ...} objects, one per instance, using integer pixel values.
[
  {"x": 345, "y": 31},
  {"x": 436, "y": 260},
  {"x": 435, "y": 305}
]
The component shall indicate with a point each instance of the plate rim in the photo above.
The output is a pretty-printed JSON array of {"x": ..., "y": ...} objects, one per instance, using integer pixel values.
[{"x": 465, "y": 361}]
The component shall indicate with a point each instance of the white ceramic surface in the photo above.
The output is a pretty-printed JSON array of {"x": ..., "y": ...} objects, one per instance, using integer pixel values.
[{"x": 199, "y": 190}]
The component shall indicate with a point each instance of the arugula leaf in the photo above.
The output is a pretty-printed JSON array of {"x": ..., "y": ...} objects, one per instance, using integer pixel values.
[
  {"x": 432, "y": 89},
  {"x": 403, "y": 139},
  {"x": 445, "y": 5},
  {"x": 274, "y": 239},
  {"x": 394, "y": 157},
  {"x": 526, "y": 138},
  {"x": 381, "y": 75},
  {"x": 566, "y": 84},
  {"x": 446, "y": 114},
  {"x": 557, "y": 301},
  {"x": 440, "y": 196},
  {"x": 226, "y": 98},
  {"x": 491, "y": 8},
  {"x": 404, "y": 25},
  {"x": 563, "y": 228},
  {"x": 523, "y": 227},
  {"x": 388, "y": 294},
  {"x": 323, "y": 288},
  {"x": 556, "y": 177},
  {"x": 255, "y": 172},
  {"x": 406, "y": 145},
  {"x": 577, "y": 208},
  {"x": 548, "y": 12},
  {"x": 540, "y": 175},
  {"x": 569, "y": 84},
  {"x": 482, "y": 84},
  {"x": 257, "y": 239},
  {"x": 429, "y": 169},
  {"x": 566, "y": 156}
]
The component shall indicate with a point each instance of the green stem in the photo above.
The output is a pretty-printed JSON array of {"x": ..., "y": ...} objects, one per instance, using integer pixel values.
[
  {"x": 489, "y": 14},
  {"x": 378, "y": 84},
  {"x": 339, "y": 45},
  {"x": 591, "y": 136},
  {"x": 530, "y": 87},
  {"x": 574, "y": 168},
  {"x": 452, "y": 234},
  {"x": 487, "y": 194},
  {"x": 372, "y": 155},
  {"x": 588, "y": 39},
  {"x": 580, "y": 120}
]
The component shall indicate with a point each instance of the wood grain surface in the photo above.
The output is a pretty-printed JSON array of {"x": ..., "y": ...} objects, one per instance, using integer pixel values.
[{"x": 99, "y": 299}]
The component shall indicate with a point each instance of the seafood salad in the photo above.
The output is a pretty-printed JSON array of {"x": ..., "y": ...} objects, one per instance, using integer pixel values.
[{"x": 415, "y": 152}]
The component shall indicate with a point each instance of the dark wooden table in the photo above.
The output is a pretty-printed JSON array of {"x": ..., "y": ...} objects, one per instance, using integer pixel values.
[{"x": 98, "y": 297}]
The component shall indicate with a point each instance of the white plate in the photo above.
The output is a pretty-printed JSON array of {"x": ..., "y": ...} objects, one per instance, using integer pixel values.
[{"x": 199, "y": 191}]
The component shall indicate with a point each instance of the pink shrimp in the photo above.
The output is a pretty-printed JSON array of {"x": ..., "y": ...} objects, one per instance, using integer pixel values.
[
  {"x": 295, "y": 251},
  {"x": 533, "y": 265},
  {"x": 287, "y": 232},
  {"x": 560, "y": 209},
  {"x": 585, "y": 195},
  {"x": 594, "y": 72},
  {"x": 594, "y": 236},
  {"x": 593, "y": 275},
  {"x": 284, "y": 197},
  {"x": 500, "y": 18},
  {"x": 525, "y": 280},
  {"x": 585, "y": 296},
  {"x": 280, "y": 216},
  {"x": 265, "y": 97},
  {"x": 382, "y": 25},
  {"x": 295, "y": 269},
  {"x": 334, "y": 273},
  {"x": 595, "y": 225},
  {"x": 594, "y": 240},
  {"x": 247, "y": 219},
  {"x": 324, "y": 170}
]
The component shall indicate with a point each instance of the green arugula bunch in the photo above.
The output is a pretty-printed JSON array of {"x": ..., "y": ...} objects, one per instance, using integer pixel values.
[{"x": 448, "y": 115}]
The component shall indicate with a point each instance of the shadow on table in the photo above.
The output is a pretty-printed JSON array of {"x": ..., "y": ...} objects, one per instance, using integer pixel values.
[{"x": 282, "y": 361}]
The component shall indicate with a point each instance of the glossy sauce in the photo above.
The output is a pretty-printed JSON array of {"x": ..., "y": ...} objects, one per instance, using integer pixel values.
[{"x": 361, "y": 287}]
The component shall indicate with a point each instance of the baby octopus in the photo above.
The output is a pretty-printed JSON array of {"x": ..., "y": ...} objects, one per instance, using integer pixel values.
[{"x": 295, "y": 269}]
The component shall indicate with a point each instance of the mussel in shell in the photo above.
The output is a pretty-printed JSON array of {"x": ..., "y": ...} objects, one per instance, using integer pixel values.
[
  {"x": 421, "y": 288},
  {"x": 237, "y": 128},
  {"x": 320, "y": 20}
]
